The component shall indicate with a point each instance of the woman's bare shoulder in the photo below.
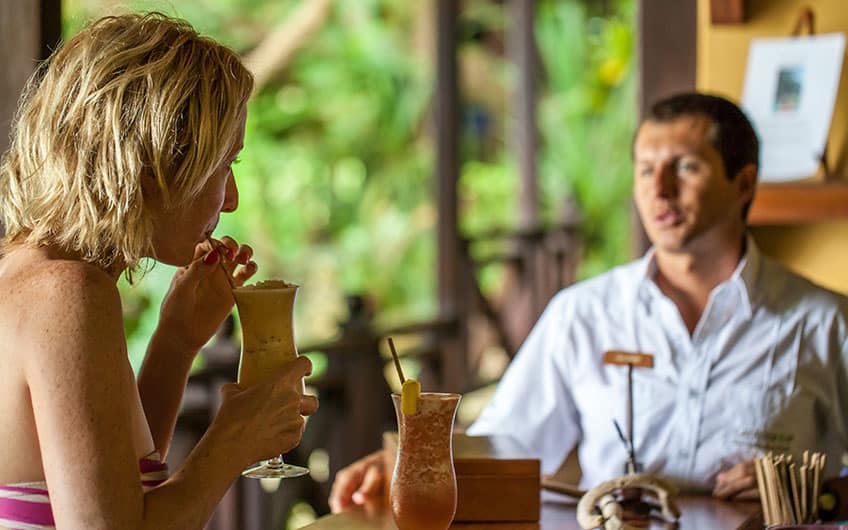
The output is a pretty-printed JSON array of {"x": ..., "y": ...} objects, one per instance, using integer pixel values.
[
  {"x": 50, "y": 304},
  {"x": 32, "y": 280}
]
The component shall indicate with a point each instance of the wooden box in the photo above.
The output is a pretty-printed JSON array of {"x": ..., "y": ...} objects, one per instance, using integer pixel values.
[{"x": 493, "y": 483}]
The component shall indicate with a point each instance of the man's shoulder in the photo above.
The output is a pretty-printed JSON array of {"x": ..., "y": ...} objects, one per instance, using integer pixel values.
[
  {"x": 618, "y": 285},
  {"x": 784, "y": 287}
]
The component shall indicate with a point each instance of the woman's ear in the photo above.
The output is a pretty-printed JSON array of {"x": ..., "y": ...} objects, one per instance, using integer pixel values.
[{"x": 150, "y": 188}]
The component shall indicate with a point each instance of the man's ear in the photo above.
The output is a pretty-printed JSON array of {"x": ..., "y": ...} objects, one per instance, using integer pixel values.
[{"x": 746, "y": 181}]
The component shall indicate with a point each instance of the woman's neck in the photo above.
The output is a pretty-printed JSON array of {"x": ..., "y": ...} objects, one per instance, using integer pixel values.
[{"x": 19, "y": 250}]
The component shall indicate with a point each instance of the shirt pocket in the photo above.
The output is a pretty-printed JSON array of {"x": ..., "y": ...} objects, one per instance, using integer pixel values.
[{"x": 779, "y": 419}]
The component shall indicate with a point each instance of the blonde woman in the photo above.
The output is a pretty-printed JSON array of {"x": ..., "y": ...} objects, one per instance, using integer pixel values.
[{"x": 122, "y": 150}]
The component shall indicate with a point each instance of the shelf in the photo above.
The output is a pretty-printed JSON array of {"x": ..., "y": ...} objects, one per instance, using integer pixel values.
[
  {"x": 727, "y": 11},
  {"x": 800, "y": 202}
]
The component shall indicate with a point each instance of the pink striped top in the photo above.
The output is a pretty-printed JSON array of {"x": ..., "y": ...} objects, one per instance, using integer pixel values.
[{"x": 26, "y": 506}]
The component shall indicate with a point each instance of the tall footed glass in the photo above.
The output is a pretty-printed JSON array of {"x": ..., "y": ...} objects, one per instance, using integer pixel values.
[
  {"x": 423, "y": 490},
  {"x": 266, "y": 312}
]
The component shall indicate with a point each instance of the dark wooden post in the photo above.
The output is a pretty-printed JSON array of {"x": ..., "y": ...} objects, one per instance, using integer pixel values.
[
  {"x": 523, "y": 53},
  {"x": 522, "y": 48},
  {"x": 28, "y": 30},
  {"x": 51, "y": 26},
  {"x": 20, "y": 42},
  {"x": 667, "y": 31},
  {"x": 452, "y": 303}
]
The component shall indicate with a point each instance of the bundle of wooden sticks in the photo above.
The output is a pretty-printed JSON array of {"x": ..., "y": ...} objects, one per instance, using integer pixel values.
[{"x": 789, "y": 493}]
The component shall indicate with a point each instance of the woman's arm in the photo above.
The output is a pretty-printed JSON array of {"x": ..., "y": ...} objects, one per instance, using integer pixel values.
[
  {"x": 83, "y": 392},
  {"x": 81, "y": 388},
  {"x": 196, "y": 304},
  {"x": 161, "y": 383}
]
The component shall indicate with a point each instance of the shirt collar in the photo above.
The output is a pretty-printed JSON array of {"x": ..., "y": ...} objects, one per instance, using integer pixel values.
[
  {"x": 743, "y": 280},
  {"x": 747, "y": 274},
  {"x": 646, "y": 268}
]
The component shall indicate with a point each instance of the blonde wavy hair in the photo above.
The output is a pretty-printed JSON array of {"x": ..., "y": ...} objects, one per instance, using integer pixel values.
[{"x": 127, "y": 97}]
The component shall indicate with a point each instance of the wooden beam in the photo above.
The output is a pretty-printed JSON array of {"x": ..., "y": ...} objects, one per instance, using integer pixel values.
[
  {"x": 20, "y": 49},
  {"x": 28, "y": 30},
  {"x": 452, "y": 304},
  {"x": 447, "y": 153},
  {"x": 51, "y": 27},
  {"x": 522, "y": 51},
  {"x": 667, "y": 31}
]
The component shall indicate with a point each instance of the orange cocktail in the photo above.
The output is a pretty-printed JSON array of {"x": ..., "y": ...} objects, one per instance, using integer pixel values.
[{"x": 423, "y": 490}]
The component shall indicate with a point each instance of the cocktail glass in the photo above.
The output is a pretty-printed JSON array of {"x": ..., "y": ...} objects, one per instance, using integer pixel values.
[
  {"x": 423, "y": 490},
  {"x": 266, "y": 312}
]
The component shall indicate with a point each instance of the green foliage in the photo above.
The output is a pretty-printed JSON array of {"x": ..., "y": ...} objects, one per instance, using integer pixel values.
[
  {"x": 336, "y": 178},
  {"x": 587, "y": 117}
]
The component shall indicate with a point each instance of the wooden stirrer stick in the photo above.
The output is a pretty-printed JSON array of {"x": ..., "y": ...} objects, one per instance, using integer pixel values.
[
  {"x": 774, "y": 489},
  {"x": 785, "y": 504},
  {"x": 796, "y": 500},
  {"x": 805, "y": 514},
  {"x": 397, "y": 361},
  {"x": 761, "y": 485}
]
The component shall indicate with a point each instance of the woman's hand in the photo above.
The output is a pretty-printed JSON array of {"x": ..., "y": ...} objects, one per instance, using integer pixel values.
[
  {"x": 200, "y": 297},
  {"x": 266, "y": 420}
]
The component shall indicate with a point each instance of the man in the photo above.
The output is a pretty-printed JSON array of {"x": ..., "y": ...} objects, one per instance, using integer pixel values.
[{"x": 748, "y": 357}]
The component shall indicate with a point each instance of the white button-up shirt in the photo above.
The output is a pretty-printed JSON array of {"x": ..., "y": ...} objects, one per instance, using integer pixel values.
[{"x": 764, "y": 370}]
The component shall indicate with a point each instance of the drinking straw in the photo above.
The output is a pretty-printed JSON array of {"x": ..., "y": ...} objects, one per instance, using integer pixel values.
[
  {"x": 397, "y": 361},
  {"x": 221, "y": 264}
]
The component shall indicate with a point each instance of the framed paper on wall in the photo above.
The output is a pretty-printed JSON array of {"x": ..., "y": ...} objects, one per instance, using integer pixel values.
[{"x": 789, "y": 93}]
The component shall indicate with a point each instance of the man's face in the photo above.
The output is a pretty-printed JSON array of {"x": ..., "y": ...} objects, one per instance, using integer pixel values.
[{"x": 683, "y": 196}]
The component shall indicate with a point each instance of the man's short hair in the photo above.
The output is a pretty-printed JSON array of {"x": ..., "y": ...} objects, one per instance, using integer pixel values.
[{"x": 734, "y": 137}]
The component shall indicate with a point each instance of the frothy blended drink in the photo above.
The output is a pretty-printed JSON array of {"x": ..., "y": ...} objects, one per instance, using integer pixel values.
[
  {"x": 423, "y": 490},
  {"x": 265, "y": 310}
]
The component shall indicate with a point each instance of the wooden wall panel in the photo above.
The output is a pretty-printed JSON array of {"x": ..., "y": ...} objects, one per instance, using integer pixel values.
[
  {"x": 811, "y": 239},
  {"x": 20, "y": 50},
  {"x": 666, "y": 38}
]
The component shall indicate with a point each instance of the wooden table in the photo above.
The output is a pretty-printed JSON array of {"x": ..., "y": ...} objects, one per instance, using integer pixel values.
[{"x": 697, "y": 513}]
